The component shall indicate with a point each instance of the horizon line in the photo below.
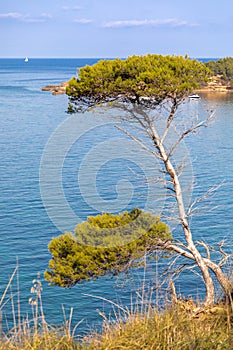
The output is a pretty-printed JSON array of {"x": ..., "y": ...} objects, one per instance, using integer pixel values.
[{"x": 112, "y": 57}]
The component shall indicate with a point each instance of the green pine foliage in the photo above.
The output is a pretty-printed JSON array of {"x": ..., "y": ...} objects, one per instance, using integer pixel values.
[
  {"x": 223, "y": 67},
  {"x": 151, "y": 76},
  {"x": 102, "y": 245}
]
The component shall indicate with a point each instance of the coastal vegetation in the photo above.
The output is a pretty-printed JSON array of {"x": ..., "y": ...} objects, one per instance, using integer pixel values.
[
  {"x": 179, "y": 324},
  {"x": 154, "y": 77},
  {"x": 141, "y": 88},
  {"x": 222, "y": 67},
  {"x": 182, "y": 326},
  {"x": 176, "y": 328}
]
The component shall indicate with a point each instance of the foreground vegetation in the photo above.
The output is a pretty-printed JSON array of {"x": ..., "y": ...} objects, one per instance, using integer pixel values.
[
  {"x": 46, "y": 341},
  {"x": 181, "y": 326}
]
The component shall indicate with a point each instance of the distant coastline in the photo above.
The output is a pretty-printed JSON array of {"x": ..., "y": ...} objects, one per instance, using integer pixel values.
[{"x": 216, "y": 84}]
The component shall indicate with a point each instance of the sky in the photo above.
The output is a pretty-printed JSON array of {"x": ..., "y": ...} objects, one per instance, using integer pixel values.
[{"x": 115, "y": 28}]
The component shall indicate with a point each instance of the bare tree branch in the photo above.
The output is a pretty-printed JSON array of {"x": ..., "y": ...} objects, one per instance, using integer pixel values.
[
  {"x": 191, "y": 129},
  {"x": 206, "y": 248},
  {"x": 138, "y": 141},
  {"x": 206, "y": 195}
]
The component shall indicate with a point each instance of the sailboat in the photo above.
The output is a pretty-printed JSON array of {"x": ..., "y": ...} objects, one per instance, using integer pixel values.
[{"x": 26, "y": 59}]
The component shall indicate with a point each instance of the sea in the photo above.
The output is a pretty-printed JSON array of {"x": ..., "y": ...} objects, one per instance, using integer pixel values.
[{"x": 57, "y": 169}]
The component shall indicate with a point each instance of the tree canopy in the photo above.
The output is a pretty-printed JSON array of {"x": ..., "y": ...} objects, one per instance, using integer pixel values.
[
  {"x": 95, "y": 249},
  {"x": 138, "y": 79}
]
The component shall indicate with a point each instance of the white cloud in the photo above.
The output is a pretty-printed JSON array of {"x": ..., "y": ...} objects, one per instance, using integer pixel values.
[
  {"x": 40, "y": 19},
  {"x": 26, "y": 17},
  {"x": 171, "y": 22},
  {"x": 83, "y": 20},
  {"x": 13, "y": 15},
  {"x": 33, "y": 20},
  {"x": 69, "y": 8}
]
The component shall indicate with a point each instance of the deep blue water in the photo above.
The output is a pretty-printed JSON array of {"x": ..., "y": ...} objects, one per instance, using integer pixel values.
[{"x": 29, "y": 118}]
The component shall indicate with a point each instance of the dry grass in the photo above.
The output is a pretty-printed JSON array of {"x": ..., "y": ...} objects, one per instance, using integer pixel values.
[
  {"x": 51, "y": 340},
  {"x": 33, "y": 333},
  {"x": 180, "y": 327},
  {"x": 176, "y": 328}
]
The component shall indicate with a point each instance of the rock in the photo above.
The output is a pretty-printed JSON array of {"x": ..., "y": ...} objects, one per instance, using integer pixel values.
[
  {"x": 56, "y": 89},
  {"x": 216, "y": 83}
]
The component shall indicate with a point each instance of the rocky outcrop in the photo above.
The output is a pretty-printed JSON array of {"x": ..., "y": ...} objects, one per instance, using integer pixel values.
[
  {"x": 56, "y": 89},
  {"x": 218, "y": 84}
]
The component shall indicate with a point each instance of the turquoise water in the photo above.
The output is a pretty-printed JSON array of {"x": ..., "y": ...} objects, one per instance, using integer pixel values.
[{"x": 28, "y": 119}]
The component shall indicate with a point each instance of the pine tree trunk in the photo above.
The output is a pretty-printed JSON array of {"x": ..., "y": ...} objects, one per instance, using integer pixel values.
[{"x": 209, "y": 285}]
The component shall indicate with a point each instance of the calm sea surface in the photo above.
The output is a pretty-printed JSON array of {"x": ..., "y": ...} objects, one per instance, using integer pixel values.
[{"x": 28, "y": 120}]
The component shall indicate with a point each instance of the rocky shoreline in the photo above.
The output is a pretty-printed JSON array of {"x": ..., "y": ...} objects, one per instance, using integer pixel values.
[
  {"x": 216, "y": 84},
  {"x": 56, "y": 89}
]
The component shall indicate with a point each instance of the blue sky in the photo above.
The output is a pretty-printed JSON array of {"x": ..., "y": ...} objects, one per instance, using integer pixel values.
[{"x": 115, "y": 28}]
